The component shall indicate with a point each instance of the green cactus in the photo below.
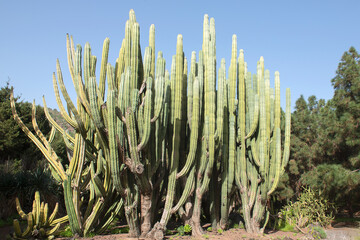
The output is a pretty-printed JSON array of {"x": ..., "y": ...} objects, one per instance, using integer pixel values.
[
  {"x": 147, "y": 139},
  {"x": 259, "y": 162},
  {"x": 39, "y": 223}
]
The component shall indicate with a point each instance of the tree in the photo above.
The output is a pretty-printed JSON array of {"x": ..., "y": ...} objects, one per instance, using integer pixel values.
[
  {"x": 336, "y": 183},
  {"x": 14, "y": 144},
  {"x": 346, "y": 101},
  {"x": 309, "y": 143}
]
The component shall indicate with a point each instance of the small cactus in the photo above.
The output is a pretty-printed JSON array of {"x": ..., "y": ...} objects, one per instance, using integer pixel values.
[{"x": 39, "y": 224}]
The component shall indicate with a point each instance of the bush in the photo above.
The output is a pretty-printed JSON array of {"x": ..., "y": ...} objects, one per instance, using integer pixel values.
[
  {"x": 23, "y": 185},
  {"x": 309, "y": 208},
  {"x": 338, "y": 184},
  {"x": 318, "y": 232}
]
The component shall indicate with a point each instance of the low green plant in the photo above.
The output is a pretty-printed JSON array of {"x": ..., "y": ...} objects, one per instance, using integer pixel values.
[
  {"x": 184, "y": 230},
  {"x": 209, "y": 229},
  {"x": 318, "y": 232},
  {"x": 206, "y": 236},
  {"x": 309, "y": 208},
  {"x": 220, "y": 231},
  {"x": 286, "y": 228},
  {"x": 180, "y": 230},
  {"x": 66, "y": 232},
  {"x": 187, "y": 229}
]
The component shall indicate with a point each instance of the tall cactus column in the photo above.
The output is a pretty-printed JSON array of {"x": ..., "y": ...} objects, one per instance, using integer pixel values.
[
  {"x": 208, "y": 150},
  {"x": 176, "y": 113},
  {"x": 259, "y": 163}
]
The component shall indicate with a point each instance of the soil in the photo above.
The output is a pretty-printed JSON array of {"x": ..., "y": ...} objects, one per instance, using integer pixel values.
[{"x": 341, "y": 231}]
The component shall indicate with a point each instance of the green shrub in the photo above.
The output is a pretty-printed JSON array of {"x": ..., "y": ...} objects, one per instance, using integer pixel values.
[
  {"x": 184, "y": 230},
  {"x": 318, "y": 233},
  {"x": 187, "y": 229},
  {"x": 23, "y": 185},
  {"x": 309, "y": 208},
  {"x": 66, "y": 232},
  {"x": 336, "y": 183}
]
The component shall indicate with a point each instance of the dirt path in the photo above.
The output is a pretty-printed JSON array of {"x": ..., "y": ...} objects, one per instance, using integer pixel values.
[{"x": 342, "y": 233}]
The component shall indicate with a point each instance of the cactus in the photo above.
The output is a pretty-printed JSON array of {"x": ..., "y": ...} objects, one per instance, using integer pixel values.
[
  {"x": 147, "y": 139},
  {"x": 81, "y": 177},
  {"x": 39, "y": 223},
  {"x": 259, "y": 163}
]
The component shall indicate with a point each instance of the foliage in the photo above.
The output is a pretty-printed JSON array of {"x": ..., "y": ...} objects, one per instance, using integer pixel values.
[
  {"x": 325, "y": 145},
  {"x": 23, "y": 185},
  {"x": 184, "y": 230},
  {"x": 66, "y": 232},
  {"x": 14, "y": 144},
  {"x": 318, "y": 232},
  {"x": 335, "y": 182},
  {"x": 309, "y": 208},
  {"x": 346, "y": 102}
]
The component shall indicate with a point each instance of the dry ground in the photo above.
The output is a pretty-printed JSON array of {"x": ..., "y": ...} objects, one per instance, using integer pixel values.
[{"x": 338, "y": 232}]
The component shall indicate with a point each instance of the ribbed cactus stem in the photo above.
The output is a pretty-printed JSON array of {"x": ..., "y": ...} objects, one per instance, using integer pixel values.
[
  {"x": 225, "y": 147},
  {"x": 232, "y": 117},
  {"x": 127, "y": 57},
  {"x": 176, "y": 131},
  {"x": 135, "y": 41},
  {"x": 194, "y": 132},
  {"x": 210, "y": 111},
  {"x": 113, "y": 147},
  {"x": 152, "y": 46},
  {"x": 287, "y": 131},
  {"x": 147, "y": 115}
]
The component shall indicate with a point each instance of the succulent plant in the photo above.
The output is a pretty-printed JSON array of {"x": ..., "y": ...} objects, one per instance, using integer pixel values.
[{"x": 39, "y": 223}]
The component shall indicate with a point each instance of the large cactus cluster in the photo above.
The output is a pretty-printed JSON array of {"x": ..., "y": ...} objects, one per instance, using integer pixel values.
[{"x": 154, "y": 142}]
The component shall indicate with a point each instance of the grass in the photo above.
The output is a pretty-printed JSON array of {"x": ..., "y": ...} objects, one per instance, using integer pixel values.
[{"x": 286, "y": 228}]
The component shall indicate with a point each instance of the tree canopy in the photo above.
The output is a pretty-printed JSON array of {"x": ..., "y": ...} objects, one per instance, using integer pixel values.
[
  {"x": 14, "y": 144},
  {"x": 325, "y": 143}
]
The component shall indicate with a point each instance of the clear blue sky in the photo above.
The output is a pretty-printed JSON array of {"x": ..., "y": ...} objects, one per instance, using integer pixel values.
[{"x": 303, "y": 40}]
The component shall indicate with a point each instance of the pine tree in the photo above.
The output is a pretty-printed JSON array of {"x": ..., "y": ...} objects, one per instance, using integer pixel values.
[{"x": 346, "y": 101}]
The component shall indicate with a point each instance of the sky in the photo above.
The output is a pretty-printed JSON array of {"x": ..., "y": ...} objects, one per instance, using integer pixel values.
[{"x": 303, "y": 40}]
